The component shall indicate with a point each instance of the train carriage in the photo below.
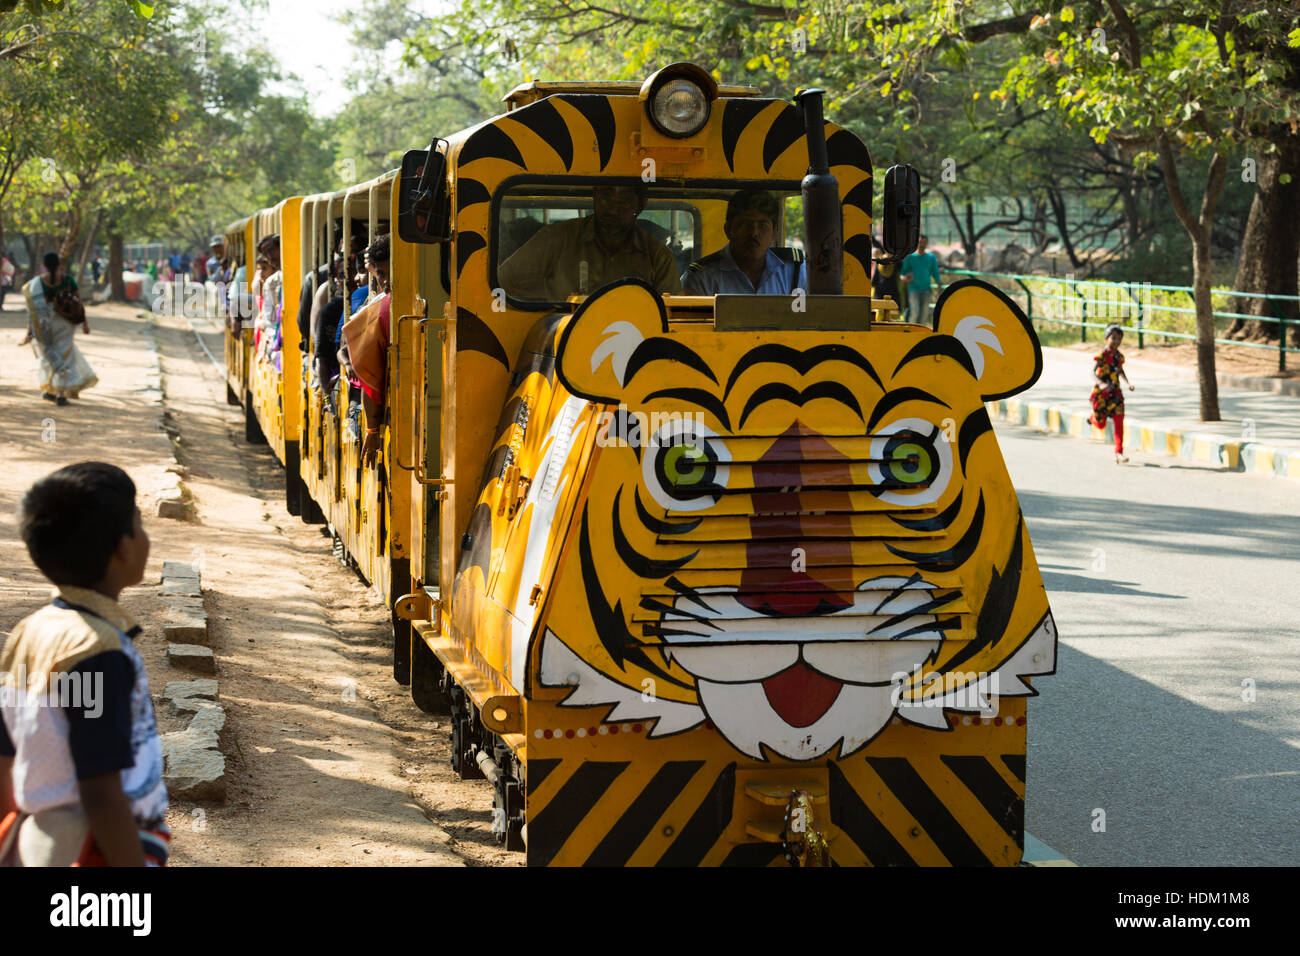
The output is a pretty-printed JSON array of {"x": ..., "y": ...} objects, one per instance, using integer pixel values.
[{"x": 701, "y": 580}]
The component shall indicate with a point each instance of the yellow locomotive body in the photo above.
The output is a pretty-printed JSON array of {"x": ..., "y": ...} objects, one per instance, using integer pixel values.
[{"x": 702, "y": 580}]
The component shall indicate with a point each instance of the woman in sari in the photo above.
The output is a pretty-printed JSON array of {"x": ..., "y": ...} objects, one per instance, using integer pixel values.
[{"x": 63, "y": 371}]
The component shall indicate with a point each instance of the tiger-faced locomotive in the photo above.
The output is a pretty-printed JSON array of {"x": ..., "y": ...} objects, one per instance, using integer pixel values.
[{"x": 701, "y": 580}]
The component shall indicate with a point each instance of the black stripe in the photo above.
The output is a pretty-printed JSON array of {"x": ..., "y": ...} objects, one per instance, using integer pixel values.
[
  {"x": 916, "y": 576},
  {"x": 537, "y": 770},
  {"x": 467, "y": 243},
  {"x": 944, "y": 345},
  {"x": 555, "y": 822},
  {"x": 654, "y": 524},
  {"x": 614, "y": 636},
  {"x": 469, "y": 192},
  {"x": 957, "y": 555},
  {"x": 895, "y": 397},
  {"x": 635, "y": 824},
  {"x": 475, "y": 335},
  {"x": 928, "y": 810},
  {"x": 937, "y": 523},
  {"x": 545, "y": 120},
  {"x": 688, "y": 592},
  {"x": 668, "y": 350},
  {"x": 860, "y": 248},
  {"x": 601, "y": 117},
  {"x": 736, "y": 117},
  {"x": 843, "y": 148},
  {"x": 778, "y": 391},
  {"x": 1016, "y": 764},
  {"x": 706, "y": 825},
  {"x": 654, "y": 604},
  {"x": 696, "y": 396},
  {"x": 785, "y": 131},
  {"x": 490, "y": 141},
  {"x": 976, "y": 424},
  {"x": 1003, "y": 804},
  {"x": 802, "y": 362},
  {"x": 753, "y": 854},
  {"x": 859, "y": 196},
  {"x": 999, "y": 601},
  {"x": 855, "y": 818},
  {"x": 638, "y": 563}
]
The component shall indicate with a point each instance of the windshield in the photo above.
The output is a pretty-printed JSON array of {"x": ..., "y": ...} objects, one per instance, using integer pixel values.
[{"x": 554, "y": 240}]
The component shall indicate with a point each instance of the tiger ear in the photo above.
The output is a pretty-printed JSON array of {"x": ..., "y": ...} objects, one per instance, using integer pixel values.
[
  {"x": 598, "y": 341},
  {"x": 999, "y": 339}
]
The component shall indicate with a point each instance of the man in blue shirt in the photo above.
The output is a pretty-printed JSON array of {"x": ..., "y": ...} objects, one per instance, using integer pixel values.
[
  {"x": 920, "y": 269},
  {"x": 746, "y": 264}
]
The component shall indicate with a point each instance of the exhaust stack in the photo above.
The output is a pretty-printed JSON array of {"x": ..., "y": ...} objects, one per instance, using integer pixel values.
[{"x": 823, "y": 229}]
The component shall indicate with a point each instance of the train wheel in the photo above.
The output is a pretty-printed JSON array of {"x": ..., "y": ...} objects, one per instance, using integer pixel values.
[
  {"x": 232, "y": 397},
  {"x": 427, "y": 676},
  {"x": 464, "y": 737},
  {"x": 508, "y": 802},
  {"x": 252, "y": 430}
]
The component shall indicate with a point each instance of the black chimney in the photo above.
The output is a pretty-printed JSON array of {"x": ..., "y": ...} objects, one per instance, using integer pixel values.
[{"x": 823, "y": 232}]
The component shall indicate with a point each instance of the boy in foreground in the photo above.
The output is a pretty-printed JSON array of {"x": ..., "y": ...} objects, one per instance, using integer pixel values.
[{"x": 80, "y": 759}]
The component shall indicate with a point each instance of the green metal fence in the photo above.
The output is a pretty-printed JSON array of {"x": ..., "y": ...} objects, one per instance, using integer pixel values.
[{"x": 1142, "y": 308}]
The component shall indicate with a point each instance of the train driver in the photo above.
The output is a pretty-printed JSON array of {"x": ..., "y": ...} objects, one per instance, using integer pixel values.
[
  {"x": 578, "y": 256},
  {"x": 746, "y": 264}
]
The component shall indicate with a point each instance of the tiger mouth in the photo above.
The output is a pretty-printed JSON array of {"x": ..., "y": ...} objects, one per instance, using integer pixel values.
[{"x": 804, "y": 661}]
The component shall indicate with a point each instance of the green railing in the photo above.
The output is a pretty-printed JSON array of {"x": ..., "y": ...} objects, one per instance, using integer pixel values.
[{"x": 1143, "y": 308}]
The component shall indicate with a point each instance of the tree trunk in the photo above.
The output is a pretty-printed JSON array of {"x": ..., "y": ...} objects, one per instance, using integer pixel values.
[
  {"x": 88, "y": 246},
  {"x": 33, "y": 259},
  {"x": 970, "y": 240},
  {"x": 1204, "y": 325},
  {"x": 1199, "y": 228},
  {"x": 116, "y": 285},
  {"x": 68, "y": 245},
  {"x": 1271, "y": 246}
]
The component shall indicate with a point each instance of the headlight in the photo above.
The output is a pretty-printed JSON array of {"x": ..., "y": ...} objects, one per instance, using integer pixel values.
[
  {"x": 678, "y": 99},
  {"x": 680, "y": 108}
]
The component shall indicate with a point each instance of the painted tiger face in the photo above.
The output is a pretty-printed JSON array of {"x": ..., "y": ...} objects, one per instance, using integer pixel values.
[{"x": 796, "y": 535}]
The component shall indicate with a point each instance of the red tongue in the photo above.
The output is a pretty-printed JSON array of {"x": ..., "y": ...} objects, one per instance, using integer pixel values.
[{"x": 800, "y": 695}]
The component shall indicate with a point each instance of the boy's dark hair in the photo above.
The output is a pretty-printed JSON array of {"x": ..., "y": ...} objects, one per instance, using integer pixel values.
[
  {"x": 378, "y": 251},
  {"x": 72, "y": 520}
]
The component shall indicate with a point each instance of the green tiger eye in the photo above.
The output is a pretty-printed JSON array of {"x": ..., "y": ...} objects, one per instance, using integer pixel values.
[{"x": 684, "y": 465}]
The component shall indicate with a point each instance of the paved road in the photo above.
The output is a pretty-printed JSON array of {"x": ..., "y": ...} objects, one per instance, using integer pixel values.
[{"x": 1173, "y": 587}]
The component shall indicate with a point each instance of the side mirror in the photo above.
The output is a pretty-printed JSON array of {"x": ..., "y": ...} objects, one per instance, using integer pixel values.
[
  {"x": 902, "y": 212},
  {"x": 422, "y": 196}
]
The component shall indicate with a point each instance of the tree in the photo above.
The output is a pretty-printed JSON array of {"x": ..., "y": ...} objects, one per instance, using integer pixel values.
[{"x": 1163, "y": 81}]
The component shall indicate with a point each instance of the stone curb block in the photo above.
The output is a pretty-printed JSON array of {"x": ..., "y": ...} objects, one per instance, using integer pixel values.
[
  {"x": 195, "y": 767},
  {"x": 192, "y": 657},
  {"x": 1239, "y": 456}
]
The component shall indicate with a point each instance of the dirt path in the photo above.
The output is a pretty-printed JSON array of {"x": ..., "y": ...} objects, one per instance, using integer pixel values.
[{"x": 331, "y": 764}]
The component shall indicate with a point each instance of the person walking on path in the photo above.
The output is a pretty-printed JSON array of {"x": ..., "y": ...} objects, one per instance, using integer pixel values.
[
  {"x": 920, "y": 269},
  {"x": 1107, "y": 396},
  {"x": 7, "y": 272},
  {"x": 64, "y": 373}
]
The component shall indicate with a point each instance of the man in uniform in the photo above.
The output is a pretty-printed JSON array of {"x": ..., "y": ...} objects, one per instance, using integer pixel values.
[
  {"x": 746, "y": 264},
  {"x": 578, "y": 256}
]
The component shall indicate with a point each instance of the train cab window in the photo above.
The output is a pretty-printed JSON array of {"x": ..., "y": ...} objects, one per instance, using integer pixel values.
[{"x": 555, "y": 239}]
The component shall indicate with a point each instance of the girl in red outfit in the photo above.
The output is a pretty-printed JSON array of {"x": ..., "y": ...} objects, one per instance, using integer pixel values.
[{"x": 1107, "y": 396}]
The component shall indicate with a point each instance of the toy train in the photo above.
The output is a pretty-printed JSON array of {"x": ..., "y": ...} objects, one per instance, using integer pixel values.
[{"x": 701, "y": 580}]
